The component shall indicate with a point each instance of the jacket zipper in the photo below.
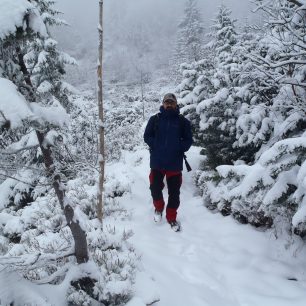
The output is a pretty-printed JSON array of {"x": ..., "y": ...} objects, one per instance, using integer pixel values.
[{"x": 168, "y": 124}]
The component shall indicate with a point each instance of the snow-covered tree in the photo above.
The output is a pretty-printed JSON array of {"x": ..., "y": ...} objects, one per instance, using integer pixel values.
[
  {"x": 47, "y": 194},
  {"x": 272, "y": 120},
  {"x": 276, "y": 66},
  {"x": 217, "y": 110},
  {"x": 189, "y": 40},
  {"x": 193, "y": 89},
  {"x": 40, "y": 68}
]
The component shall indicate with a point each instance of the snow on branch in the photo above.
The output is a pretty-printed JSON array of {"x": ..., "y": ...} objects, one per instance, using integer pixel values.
[
  {"x": 13, "y": 15},
  {"x": 287, "y": 63},
  {"x": 31, "y": 261},
  {"x": 54, "y": 115},
  {"x": 13, "y": 105},
  {"x": 26, "y": 142}
]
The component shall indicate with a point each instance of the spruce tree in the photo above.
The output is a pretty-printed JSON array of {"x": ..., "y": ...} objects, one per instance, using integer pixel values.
[
  {"x": 196, "y": 79},
  {"x": 36, "y": 67},
  {"x": 218, "y": 110},
  {"x": 269, "y": 190},
  {"x": 189, "y": 40},
  {"x": 47, "y": 187}
]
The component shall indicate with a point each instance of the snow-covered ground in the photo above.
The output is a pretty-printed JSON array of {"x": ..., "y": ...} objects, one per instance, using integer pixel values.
[{"x": 214, "y": 261}]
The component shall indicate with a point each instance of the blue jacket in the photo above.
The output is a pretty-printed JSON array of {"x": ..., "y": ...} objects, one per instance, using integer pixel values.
[{"x": 168, "y": 140}]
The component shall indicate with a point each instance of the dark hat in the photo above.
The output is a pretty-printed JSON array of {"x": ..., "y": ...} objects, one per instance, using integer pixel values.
[{"x": 169, "y": 96}]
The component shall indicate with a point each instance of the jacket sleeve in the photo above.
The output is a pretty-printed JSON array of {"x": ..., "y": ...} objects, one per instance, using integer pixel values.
[
  {"x": 149, "y": 133},
  {"x": 186, "y": 140}
]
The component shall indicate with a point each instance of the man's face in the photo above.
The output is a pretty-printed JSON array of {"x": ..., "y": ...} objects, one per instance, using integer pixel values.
[{"x": 170, "y": 104}]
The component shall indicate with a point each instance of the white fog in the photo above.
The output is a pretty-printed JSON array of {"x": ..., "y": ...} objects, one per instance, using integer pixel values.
[{"x": 131, "y": 24}]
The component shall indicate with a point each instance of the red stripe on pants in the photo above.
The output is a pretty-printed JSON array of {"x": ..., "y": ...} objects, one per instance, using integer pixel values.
[{"x": 174, "y": 182}]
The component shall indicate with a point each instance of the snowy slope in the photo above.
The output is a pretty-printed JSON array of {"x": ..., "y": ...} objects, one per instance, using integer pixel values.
[{"x": 214, "y": 261}]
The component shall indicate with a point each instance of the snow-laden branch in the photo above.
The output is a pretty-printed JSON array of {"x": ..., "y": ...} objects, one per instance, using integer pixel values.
[
  {"x": 31, "y": 261},
  {"x": 60, "y": 272},
  {"x": 291, "y": 81},
  {"x": 18, "y": 180},
  {"x": 292, "y": 54},
  {"x": 296, "y": 2},
  {"x": 12, "y": 152},
  {"x": 287, "y": 63},
  {"x": 269, "y": 64}
]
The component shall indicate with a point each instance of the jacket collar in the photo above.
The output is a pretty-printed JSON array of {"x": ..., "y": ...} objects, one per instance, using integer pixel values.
[{"x": 169, "y": 113}]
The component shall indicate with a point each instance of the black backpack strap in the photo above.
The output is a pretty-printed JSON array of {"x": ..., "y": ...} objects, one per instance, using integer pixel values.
[
  {"x": 182, "y": 125},
  {"x": 182, "y": 128},
  {"x": 186, "y": 163},
  {"x": 156, "y": 123}
]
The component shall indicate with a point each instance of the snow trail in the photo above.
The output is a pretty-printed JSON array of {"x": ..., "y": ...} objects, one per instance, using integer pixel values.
[{"x": 214, "y": 261}]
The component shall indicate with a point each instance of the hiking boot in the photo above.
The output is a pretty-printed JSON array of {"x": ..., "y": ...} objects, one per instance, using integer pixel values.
[
  {"x": 175, "y": 226},
  {"x": 158, "y": 216}
]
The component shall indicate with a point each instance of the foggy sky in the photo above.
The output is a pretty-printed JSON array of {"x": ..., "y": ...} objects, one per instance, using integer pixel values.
[
  {"x": 82, "y": 15},
  {"x": 158, "y": 19}
]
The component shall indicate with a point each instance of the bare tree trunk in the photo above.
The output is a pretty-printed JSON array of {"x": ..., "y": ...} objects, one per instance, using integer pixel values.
[
  {"x": 101, "y": 117},
  {"x": 79, "y": 236},
  {"x": 80, "y": 242},
  {"x": 142, "y": 98}
]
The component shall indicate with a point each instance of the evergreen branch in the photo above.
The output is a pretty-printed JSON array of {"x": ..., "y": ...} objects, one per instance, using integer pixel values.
[
  {"x": 294, "y": 83},
  {"x": 19, "y": 150},
  {"x": 24, "y": 182},
  {"x": 31, "y": 262},
  {"x": 52, "y": 277},
  {"x": 286, "y": 63}
]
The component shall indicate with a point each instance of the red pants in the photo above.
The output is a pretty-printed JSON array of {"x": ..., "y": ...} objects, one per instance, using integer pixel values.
[{"x": 174, "y": 182}]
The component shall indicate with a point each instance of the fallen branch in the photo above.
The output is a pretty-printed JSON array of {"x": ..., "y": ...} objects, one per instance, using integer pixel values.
[
  {"x": 31, "y": 261},
  {"x": 52, "y": 277},
  {"x": 155, "y": 301}
]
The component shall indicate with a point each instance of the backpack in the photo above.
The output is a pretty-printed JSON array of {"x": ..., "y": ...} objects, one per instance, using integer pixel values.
[{"x": 181, "y": 123}]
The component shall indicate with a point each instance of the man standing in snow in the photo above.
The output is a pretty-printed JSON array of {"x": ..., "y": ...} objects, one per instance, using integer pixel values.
[{"x": 168, "y": 134}]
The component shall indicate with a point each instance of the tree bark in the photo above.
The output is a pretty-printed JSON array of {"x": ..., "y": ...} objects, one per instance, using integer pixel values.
[
  {"x": 79, "y": 236},
  {"x": 101, "y": 117}
]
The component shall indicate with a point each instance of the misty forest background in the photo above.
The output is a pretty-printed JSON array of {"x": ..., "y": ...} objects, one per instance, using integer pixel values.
[{"x": 240, "y": 77}]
